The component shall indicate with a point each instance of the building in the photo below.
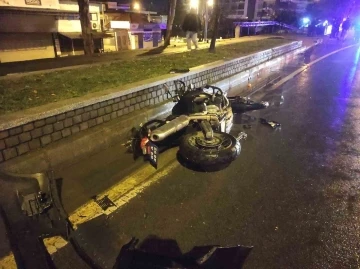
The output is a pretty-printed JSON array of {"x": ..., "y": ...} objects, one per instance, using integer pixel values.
[
  {"x": 68, "y": 39},
  {"x": 244, "y": 9},
  {"x": 133, "y": 28},
  {"x": 298, "y": 6},
  {"x": 36, "y": 29}
]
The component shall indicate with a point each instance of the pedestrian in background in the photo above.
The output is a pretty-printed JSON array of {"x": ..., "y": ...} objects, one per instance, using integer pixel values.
[
  {"x": 191, "y": 26},
  {"x": 335, "y": 28},
  {"x": 345, "y": 28}
]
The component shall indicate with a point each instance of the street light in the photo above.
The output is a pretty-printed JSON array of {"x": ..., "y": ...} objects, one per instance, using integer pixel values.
[
  {"x": 136, "y": 6},
  {"x": 194, "y": 4}
]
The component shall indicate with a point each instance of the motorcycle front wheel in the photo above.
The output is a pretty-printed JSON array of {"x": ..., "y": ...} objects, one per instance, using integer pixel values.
[{"x": 222, "y": 149}]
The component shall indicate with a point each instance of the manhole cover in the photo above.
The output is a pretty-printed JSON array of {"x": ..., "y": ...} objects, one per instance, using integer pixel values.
[{"x": 104, "y": 202}]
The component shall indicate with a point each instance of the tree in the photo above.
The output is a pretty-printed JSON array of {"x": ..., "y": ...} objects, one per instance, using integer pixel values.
[
  {"x": 181, "y": 10},
  {"x": 170, "y": 20},
  {"x": 215, "y": 27},
  {"x": 86, "y": 26}
]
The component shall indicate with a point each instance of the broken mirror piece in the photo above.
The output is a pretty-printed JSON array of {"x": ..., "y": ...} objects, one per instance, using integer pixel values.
[
  {"x": 241, "y": 136},
  {"x": 241, "y": 104},
  {"x": 272, "y": 124}
]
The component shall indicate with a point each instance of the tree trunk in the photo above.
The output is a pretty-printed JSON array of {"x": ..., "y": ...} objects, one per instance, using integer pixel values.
[
  {"x": 170, "y": 20},
  {"x": 86, "y": 26},
  {"x": 215, "y": 27}
]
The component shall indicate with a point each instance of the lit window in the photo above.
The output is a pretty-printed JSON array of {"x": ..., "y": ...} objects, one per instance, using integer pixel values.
[
  {"x": 33, "y": 2},
  {"x": 94, "y": 16}
]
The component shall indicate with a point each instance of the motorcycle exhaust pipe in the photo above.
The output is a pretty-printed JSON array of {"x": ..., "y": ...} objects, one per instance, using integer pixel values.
[
  {"x": 205, "y": 117},
  {"x": 170, "y": 128}
]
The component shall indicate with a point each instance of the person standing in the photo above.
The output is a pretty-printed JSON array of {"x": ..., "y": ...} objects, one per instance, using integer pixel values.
[
  {"x": 345, "y": 28},
  {"x": 335, "y": 28},
  {"x": 191, "y": 26}
]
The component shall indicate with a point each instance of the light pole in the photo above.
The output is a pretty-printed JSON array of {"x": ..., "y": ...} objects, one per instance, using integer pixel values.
[{"x": 208, "y": 3}]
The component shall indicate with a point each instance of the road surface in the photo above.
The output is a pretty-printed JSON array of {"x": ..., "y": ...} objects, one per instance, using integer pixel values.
[{"x": 293, "y": 193}]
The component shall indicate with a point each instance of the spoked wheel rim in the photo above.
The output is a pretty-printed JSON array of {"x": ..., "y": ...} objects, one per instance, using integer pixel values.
[{"x": 218, "y": 142}]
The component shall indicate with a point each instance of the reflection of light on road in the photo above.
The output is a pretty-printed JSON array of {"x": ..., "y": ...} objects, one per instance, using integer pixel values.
[
  {"x": 345, "y": 93},
  {"x": 120, "y": 194}
]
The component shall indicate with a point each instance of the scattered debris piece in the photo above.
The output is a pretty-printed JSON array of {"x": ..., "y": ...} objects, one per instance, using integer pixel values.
[
  {"x": 104, "y": 202},
  {"x": 242, "y": 104},
  {"x": 272, "y": 124},
  {"x": 247, "y": 126},
  {"x": 174, "y": 71},
  {"x": 34, "y": 203},
  {"x": 241, "y": 136}
]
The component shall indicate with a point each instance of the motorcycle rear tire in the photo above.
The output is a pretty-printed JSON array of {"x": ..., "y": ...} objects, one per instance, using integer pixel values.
[{"x": 224, "y": 149}]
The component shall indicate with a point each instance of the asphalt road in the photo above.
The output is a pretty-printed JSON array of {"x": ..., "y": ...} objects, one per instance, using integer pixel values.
[{"x": 293, "y": 193}]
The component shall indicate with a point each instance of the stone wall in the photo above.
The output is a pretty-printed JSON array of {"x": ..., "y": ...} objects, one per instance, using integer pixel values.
[{"x": 18, "y": 137}]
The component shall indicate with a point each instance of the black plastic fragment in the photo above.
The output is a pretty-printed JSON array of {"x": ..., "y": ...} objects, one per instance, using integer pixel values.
[{"x": 104, "y": 202}]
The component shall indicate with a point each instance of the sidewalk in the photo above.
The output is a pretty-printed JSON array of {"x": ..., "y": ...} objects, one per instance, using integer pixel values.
[{"x": 65, "y": 63}]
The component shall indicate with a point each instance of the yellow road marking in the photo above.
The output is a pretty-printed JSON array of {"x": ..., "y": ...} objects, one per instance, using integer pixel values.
[
  {"x": 120, "y": 194},
  {"x": 54, "y": 243},
  {"x": 8, "y": 262}
]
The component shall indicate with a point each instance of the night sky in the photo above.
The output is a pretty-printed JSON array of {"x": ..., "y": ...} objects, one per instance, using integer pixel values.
[{"x": 156, "y": 5}]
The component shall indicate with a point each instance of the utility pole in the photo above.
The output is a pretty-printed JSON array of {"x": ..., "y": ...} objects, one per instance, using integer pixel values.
[{"x": 206, "y": 21}]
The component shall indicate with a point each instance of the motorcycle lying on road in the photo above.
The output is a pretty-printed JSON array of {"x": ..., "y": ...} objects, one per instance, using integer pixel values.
[{"x": 199, "y": 124}]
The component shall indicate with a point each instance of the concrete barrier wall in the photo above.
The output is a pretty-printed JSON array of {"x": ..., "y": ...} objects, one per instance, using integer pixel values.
[{"x": 22, "y": 134}]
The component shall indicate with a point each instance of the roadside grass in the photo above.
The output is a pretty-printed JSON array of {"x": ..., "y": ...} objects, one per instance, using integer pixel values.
[{"x": 34, "y": 90}]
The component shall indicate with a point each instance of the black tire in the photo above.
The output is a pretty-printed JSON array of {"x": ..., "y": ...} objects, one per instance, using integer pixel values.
[{"x": 223, "y": 150}]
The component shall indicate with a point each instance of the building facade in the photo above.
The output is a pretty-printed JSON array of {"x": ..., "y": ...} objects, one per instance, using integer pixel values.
[
  {"x": 298, "y": 6},
  {"x": 37, "y": 29},
  {"x": 244, "y": 9}
]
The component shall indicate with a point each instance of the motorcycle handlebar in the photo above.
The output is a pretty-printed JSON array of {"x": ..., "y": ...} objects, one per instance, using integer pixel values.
[{"x": 214, "y": 89}]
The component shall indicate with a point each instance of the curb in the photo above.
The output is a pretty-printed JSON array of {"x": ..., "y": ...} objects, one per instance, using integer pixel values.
[{"x": 71, "y": 150}]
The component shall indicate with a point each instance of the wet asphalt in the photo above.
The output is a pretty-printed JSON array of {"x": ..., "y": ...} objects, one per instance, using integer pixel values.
[{"x": 293, "y": 193}]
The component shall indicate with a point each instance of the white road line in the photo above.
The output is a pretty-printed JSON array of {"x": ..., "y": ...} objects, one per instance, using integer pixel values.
[{"x": 302, "y": 69}]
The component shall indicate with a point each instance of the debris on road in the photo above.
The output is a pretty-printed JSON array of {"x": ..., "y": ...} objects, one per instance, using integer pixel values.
[
  {"x": 242, "y": 104},
  {"x": 103, "y": 202},
  {"x": 247, "y": 126},
  {"x": 272, "y": 124},
  {"x": 241, "y": 136}
]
